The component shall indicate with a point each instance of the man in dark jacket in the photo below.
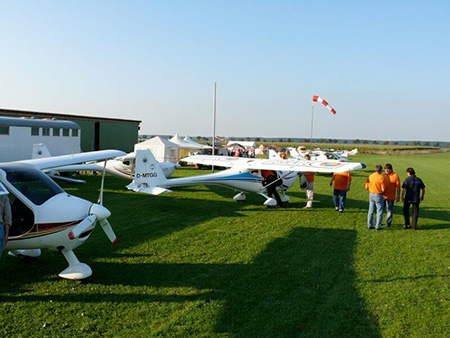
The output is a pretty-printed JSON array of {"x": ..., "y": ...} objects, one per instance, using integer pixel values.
[{"x": 412, "y": 196}]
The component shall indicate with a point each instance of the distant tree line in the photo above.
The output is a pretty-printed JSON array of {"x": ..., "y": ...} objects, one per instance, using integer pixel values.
[{"x": 322, "y": 140}]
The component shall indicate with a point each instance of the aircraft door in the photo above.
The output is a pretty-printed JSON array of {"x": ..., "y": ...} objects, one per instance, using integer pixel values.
[{"x": 22, "y": 217}]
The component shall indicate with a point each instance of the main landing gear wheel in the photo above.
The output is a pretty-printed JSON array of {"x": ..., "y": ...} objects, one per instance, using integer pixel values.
[{"x": 241, "y": 197}]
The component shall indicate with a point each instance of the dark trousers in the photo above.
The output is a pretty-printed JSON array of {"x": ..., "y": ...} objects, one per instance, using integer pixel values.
[
  {"x": 272, "y": 189},
  {"x": 415, "y": 213}
]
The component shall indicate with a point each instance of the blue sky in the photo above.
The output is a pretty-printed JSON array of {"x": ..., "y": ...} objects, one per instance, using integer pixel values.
[{"x": 383, "y": 65}]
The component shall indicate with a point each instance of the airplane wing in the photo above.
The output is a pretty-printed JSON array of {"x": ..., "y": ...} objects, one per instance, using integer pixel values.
[
  {"x": 220, "y": 161},
  {"x": 291, "y": 164},
  {"x": 58, "y": 161}
]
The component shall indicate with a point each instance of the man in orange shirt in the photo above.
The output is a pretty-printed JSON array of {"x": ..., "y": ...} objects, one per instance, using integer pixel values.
[
  {"x": 391, "y": 192},
  {"x": 341, "y": 186},
  {"x": 375, "y": 185}
]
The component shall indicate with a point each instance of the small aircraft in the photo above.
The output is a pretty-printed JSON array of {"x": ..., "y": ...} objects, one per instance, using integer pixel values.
[
  {"x": 243, "y": 175},
  {"x": 317, "y": 155},
  {"x": 45, "y": 216},
  {"x": 121, "y": 166}
]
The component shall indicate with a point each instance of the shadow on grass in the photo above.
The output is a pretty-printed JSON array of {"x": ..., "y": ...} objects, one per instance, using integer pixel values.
[
  {"x": 136, "y": 219},
  {"x": 301, "y": 285}
]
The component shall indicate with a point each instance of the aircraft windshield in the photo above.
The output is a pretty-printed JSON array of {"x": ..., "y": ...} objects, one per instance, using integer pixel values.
[{"x": 31, "y": 182}]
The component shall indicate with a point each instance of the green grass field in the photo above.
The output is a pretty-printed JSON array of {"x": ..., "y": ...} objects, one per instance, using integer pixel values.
[{"x": 196, "y": 263}]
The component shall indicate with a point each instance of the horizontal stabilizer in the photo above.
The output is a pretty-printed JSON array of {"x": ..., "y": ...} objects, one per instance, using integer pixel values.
[
  {"x": 155, "y": 190},
  {"x": 146, "y": 189}
]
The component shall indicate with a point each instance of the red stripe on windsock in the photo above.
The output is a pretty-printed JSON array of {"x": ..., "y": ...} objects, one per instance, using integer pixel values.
[{"x": 317, "y": 98}]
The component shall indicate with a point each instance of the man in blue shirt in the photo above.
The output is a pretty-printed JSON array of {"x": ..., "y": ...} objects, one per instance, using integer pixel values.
[{"x": 412, "y": 196}]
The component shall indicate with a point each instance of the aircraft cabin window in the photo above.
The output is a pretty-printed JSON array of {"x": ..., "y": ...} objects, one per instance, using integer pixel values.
[
  {"x": 45, "y": 131},
  {"x": 32, "y": 183},
  {"x": 35, "y": 131},
  {"x": 4, "y": 130},
  {"x": 65, "y": 132},
  {"x": 74, "y": 132},
  {"x": 56, "y": 131}
]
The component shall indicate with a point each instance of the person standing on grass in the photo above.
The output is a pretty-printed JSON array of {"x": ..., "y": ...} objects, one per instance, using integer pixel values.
[
  {"x": 375, "y": 185},
  {"x": 5, "y": 219},
  {"x": 391, "y": 192},
  {"x": 309, "y": 186},
  {"x": 412, "y": 186},
  {"x": 342, "y": 183}
]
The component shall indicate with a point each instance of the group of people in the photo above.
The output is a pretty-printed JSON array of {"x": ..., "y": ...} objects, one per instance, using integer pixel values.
[
  {"x": 240, "y": 152},
  {"x": 384, "y": 191},
  {"x": 342, "y": 182}
]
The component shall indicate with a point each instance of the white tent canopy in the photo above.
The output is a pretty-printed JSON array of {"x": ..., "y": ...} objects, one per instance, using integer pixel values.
[
  {"x": 195, "y": 144},
  {"x": 183, "y": 144},
  {"x": 163, "y": 150}
]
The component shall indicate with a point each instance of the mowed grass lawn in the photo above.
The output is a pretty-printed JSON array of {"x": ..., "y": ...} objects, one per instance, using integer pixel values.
[{"x": 197, "y": 263}]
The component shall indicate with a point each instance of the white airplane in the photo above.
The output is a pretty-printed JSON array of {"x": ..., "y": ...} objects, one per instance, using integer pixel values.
[
  {"x": 316, "y": 155},
  {"x": 347, "y": 153},
  {"x": 45, "y": 216},
  {"x": 122, "y": 166},
  {"x": 244, "y": 174}
]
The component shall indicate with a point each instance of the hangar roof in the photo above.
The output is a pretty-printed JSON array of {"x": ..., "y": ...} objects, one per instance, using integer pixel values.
[
  {"x": 27, "y": 122},
  {"x": 60, "y": 116}
]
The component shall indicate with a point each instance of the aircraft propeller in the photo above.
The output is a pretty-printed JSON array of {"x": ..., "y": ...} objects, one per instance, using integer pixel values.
[{"x": 98, "y": 213}]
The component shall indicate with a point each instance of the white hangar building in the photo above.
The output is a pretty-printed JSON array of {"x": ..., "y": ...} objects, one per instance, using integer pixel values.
[{"x": 18, "y": 135}]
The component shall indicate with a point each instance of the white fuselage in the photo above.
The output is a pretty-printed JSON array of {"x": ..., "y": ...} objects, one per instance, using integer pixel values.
[
  {"x": 240, "y": 179},
  {"x": 43, "y": 214},
  {"x": 116, "y": 167}
]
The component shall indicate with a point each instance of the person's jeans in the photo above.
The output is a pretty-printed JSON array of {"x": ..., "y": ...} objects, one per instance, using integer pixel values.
[
  {"x": 389, "y": 206},
  {"x": 309, "y": 194},
  {"x": 339, "y": 197},
  {"x": 375, "y": 201},
  {"x": 2, "y": 238}
]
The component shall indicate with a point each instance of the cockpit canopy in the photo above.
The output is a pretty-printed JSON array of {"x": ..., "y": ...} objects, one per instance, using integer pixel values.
[{"x": 31, "y": 182}]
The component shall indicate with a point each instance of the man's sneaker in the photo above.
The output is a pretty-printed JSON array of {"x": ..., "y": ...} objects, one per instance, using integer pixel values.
[
  {"x": 336, "y": 209},
  {"x": 380, "y": 228},
  {"x": 341, "y": 211},
  {"x": 370, "y": 228},
  {"x": 406, "y": 227}
]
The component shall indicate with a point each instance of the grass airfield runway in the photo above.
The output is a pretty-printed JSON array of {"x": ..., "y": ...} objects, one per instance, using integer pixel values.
[{"x": 197, "y": 263}]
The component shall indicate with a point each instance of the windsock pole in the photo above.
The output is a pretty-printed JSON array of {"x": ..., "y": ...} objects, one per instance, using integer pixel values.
[
  {"x": 214, "y": 123},
  {"x": 312, "y": 124}
]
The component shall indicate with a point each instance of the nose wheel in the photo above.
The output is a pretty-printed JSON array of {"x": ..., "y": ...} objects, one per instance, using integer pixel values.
[
  {"x": 240, "y": 197},
  {"x": 76, "y": 269}
]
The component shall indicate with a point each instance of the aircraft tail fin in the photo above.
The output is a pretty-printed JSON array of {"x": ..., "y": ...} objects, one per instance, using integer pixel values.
[
  {"x": 40, "y": 151},
  {"x": 293, "y": 152},
  {"x": 273, "y": 155},
  {"x": 148, "y": 175}
]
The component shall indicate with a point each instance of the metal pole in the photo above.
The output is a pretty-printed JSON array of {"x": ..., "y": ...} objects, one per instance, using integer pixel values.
[
  {"x": 312, "y": 123},
  {"x": 214, "y": 122}
]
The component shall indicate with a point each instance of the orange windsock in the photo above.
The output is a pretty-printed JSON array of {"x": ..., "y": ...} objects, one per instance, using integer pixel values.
[{"x": 325, "y": 103}]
